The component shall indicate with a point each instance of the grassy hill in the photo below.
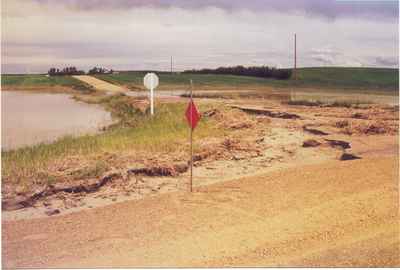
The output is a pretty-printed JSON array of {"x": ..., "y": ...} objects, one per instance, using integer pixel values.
[
  {"x": 384, "y": 79},
  {"x": 357, "y": 78}
]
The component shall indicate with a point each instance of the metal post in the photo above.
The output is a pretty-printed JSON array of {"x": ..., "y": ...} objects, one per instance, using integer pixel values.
[
  {"x": 191, "y": 138},
  {"x": 295, "y": 58},
  {"x": 152, "y": 100},
  {"x": 152, "y": 97},
  {"x": 171, "y": 64}
]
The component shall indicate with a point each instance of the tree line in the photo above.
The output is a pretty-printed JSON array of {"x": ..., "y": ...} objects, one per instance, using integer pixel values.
[
  {"x": 74, "y": 71},
  {"x": 254, "y": 71},
  {"x": 65, "y": 71},
  {"x": 100, "y": 70}
]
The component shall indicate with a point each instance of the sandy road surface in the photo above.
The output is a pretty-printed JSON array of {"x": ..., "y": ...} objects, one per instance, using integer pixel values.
[
  {"x": 335, "y": 214},
  {"x": 100, "y": 84}
]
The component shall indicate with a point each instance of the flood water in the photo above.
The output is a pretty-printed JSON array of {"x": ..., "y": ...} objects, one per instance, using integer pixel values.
[{"x": 31, "y": 118}]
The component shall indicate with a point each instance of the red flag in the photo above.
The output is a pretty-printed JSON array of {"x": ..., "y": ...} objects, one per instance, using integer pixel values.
[{"x": 192, "y": 115}]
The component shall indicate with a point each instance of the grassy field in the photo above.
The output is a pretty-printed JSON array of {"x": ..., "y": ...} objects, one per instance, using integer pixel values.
[
  {"x": 350, "y": 78},
  {"x": 34, "y": 81},
  {"x": 134, "y": 79},
  {"x": 135, "y": 131},
  {"x": 334, "y": 78},
  {"x": 376, "y": 79}
]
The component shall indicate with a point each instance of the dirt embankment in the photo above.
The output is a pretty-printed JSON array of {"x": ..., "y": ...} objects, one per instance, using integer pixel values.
[{"x": 330, "y": 214}]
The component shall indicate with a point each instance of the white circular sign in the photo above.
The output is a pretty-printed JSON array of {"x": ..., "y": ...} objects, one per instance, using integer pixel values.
[{"x": 150, "y": 81}]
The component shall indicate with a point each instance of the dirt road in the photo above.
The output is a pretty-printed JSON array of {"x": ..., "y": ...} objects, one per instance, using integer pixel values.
[
  {"x": 335, "y": 214},
  {"x": 100, "y": 84}
]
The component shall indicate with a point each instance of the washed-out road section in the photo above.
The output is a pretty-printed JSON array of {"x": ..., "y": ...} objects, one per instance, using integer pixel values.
[{"x": 331, "y": 214}]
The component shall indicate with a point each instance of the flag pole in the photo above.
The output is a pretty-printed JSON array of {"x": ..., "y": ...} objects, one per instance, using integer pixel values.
[{"x": 191, "y": 137}]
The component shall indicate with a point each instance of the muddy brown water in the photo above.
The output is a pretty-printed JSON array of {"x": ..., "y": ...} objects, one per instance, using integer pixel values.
[{"x": 32, "y": 118}]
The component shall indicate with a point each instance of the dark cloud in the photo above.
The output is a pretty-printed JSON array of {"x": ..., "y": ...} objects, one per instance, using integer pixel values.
[{"x": 331, "y": 9}]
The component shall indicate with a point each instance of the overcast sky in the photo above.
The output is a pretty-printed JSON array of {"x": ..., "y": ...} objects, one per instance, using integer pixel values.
[{"x": 144, "y": 34}]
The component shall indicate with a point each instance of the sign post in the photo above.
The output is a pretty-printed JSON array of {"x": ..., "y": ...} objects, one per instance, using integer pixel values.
[
  {"x": 193, "y": 117},
  {"x": 191, "y": 138},
  {"x": 150, "y": 81}
]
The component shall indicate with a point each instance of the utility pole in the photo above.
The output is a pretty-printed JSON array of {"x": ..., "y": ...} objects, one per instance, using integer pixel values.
[
  {"x": 171, "y": 64},
  {"x": 295, "y": 57}
]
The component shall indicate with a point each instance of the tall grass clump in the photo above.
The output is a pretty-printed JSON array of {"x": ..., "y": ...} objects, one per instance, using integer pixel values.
[{"x": 166, "y": 131}]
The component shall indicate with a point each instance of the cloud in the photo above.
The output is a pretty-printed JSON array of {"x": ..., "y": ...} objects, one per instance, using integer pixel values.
[
  {"x": 328, "y": 56},
  {"x": 324, "y": 55},
  {"x": 386, "y": 61},
  {"x": 145, "y": 34},
  {"x": 324, "y": 8}
]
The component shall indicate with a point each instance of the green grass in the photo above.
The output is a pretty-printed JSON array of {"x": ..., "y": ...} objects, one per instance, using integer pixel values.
[
  {"x": 377, "y": 79},
  {"x": 135, "y": 79},
  {"x": 40, "y": 80},
  {"x": 350, "y": 78},
  {"x": 166, "y": 131}
]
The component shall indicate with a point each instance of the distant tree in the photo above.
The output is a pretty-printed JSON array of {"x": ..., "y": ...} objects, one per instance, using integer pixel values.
[
  {"x": 263, "y": 71},
  {"x": 52, "y": 71},
  {"x": 99, "y": 70}
]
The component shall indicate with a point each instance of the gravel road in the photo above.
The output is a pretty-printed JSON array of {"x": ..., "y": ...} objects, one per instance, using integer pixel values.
[
  {"x": 332, "y": 214},
  {"x": 100, "y": 84}
]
